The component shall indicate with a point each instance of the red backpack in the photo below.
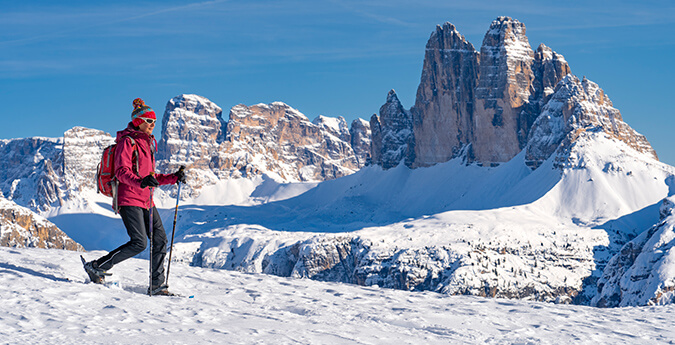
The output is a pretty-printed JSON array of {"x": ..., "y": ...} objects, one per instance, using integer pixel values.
[{"x": 106, "y": 183}]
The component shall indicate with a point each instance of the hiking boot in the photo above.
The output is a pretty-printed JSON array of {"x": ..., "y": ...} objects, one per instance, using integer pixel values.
[{"x": 95, "y": 273}]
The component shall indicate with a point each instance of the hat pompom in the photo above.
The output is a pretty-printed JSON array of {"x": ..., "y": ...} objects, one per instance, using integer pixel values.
[{"x": 138, "y": 103}]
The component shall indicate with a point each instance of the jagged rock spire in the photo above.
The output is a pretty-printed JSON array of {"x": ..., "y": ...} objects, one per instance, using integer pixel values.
[
  {"x": 444, "y": 107},
  {"x": 393, "y": 139},
  {"x": 484, "y": 105}
]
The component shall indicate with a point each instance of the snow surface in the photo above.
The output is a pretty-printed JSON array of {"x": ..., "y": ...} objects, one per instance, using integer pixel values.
[{"x": 47, "y": 299}]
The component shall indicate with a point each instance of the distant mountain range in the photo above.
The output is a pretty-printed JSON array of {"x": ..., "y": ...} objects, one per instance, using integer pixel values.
[{"x": 508, "y": 177}]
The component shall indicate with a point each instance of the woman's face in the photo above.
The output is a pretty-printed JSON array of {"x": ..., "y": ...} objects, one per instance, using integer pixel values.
[{"x": 147, "y": 127}]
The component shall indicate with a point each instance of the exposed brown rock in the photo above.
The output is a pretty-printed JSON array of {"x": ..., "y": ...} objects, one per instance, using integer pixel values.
[
  {"x": 272, "y": 139},
  {"x": 192, "y": 129},
  {"x": 276, "y": 138},
  {"x": 504, "y": 88},
  {"x": 444, "y": 108},
  {"x": 20, "y": 228}
]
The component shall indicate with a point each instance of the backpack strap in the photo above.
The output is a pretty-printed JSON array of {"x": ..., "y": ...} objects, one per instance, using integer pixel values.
[
  {"x": 134, "y": 168},
  {"x": 134, "y": 155}
]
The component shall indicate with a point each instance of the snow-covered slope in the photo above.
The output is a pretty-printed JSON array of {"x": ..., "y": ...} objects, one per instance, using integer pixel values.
[
  {"x": 45, "y": 301},
  {"x": 643, "y": 272},
  {"x": 502, "y": 231}
]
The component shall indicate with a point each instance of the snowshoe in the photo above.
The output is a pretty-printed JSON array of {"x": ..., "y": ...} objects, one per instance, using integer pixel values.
[
  {"x": 96, "y": 275},
  {"x": 161, "y": 291}
]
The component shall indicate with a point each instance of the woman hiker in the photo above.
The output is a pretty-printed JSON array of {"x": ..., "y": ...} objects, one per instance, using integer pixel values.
[{"x": 134, "y": 170}]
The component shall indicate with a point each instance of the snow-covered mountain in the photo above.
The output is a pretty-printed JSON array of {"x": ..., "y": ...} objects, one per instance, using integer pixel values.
[
  {"x": 29, "y": 173},
  {"x": 42, "y": 173},
  {"x": 52, "y": 174},
  {"x": 529, "y": 199},
  {"x": 518, "y": 180},
  {"x": 273, "y": 139},
  {"x": 484, "y": 105},
  {"x": 502, "y": 231}
]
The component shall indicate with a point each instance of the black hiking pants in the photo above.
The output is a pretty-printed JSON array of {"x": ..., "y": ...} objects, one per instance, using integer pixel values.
[{"x": 136, "y": 221}]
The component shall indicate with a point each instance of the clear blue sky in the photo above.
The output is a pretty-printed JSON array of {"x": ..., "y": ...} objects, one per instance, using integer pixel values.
[{"x": 81, "y": 63}]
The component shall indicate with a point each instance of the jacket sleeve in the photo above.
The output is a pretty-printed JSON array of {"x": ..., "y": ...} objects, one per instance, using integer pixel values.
[
  {"x": 124, "y": 162},
  {"x": 166, "y": 179}
]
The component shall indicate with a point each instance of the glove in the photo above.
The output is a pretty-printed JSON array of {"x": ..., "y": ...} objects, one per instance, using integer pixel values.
[
  {"x": 149, "y": 181},
  {"x": 180, "y": 174}
]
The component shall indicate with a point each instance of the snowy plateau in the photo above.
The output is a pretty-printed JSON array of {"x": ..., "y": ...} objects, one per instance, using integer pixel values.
[{"x": 389, "y": 231}]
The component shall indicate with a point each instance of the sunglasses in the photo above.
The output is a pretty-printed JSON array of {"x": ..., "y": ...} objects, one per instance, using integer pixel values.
[{"x": 148, "y": 121}]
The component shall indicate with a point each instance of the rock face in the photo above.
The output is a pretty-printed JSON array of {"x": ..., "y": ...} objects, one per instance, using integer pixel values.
[
  {"x": 192, "y": 131},
  {"x": 273, "y": 139},
  {"x": 82, "y": 149},
  {"x": 504, "y": 87},
  {"x": 577, "y": 106},
  {"x": 393, "y": 138},
  {"x": 31, "y": 170},
  {"x": 484, "y": 105},
  {"x": 278, "y": 139},
  {"x": 549, "y": 68},
  {"x": 21, "y": 228},
  {"x": 445, "y": 105},
  {"x": 361, "y": 135},
  {"x": 642, "y": 272}
]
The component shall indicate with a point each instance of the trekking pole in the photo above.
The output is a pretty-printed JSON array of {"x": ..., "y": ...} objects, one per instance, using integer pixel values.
[
  {"x": 152, "y": 190},
  {"x": 173, "y": 232}
]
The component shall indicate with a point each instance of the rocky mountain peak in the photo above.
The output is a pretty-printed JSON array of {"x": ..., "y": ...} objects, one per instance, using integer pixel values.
[
  {"x": 361, "y": 135},
  {"x": 393, "y": 138},
  {"x": 189, "y": 119},
  {"x": 82, "y": 148},
  {"x": 505, "y": 31},
  {"x": 549, "y": 68},
  {"x": 576, "y": 106},
  {"x": 279, "y": 140},
  {"x": 447, "y": 37},
  {"x": 484, "y": 105},
  {"x": 336, "y": 126},
  {"x": 504, "y": 88},
  {"x": 447, "y": 86}
]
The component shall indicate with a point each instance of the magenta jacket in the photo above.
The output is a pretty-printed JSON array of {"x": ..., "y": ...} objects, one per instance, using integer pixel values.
[{"x": 129, "y": 192}]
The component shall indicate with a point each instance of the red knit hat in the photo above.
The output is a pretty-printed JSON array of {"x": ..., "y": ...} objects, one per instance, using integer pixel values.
[{"x": 141, "y": 111}]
